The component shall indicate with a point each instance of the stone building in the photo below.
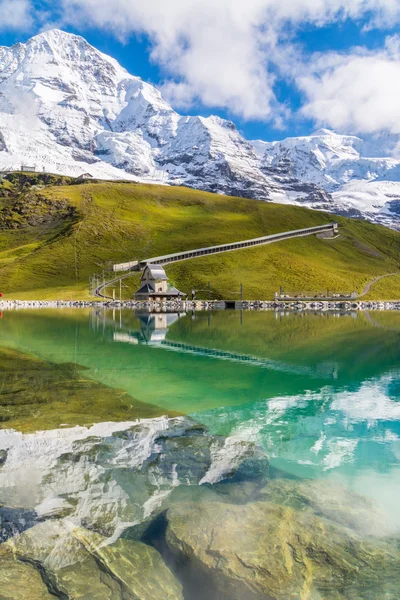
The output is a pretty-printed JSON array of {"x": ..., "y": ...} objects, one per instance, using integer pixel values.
[{"x": 155, "y": 286}]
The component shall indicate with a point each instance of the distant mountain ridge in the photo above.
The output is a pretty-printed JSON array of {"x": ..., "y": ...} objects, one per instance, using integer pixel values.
[{"x": 67, "y": 108}]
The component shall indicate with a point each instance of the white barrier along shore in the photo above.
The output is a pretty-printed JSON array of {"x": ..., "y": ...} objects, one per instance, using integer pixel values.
[{"x": 183, "y": 306}]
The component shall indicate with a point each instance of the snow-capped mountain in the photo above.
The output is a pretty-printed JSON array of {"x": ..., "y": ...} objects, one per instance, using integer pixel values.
[
  {"x": 358, "y": 179},
  {"x": 67, "y": 108}
]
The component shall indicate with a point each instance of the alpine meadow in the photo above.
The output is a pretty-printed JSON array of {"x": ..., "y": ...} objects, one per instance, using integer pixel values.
[{"x": 55, "y": 237}]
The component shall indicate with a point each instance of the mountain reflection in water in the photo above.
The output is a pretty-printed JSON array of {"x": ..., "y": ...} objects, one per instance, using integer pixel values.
[{"x": 128, "y": 438}]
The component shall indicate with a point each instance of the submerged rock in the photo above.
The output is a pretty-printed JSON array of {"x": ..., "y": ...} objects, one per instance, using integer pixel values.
[
  {"x": 260, "y": 550},
  {"x": 112, "y": 477},
  {"x": 78, "y": 564},
  {"x": 227, "y": 492},
  {"x": 19, "y": 580},
  {"x": 329, "y": 500},
  {"x": 15, "y": 520},
  {"x": 3, "y": 457},
  {"x": 123, "y": 479}
]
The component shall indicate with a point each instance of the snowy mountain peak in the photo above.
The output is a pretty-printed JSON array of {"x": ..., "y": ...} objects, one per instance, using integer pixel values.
[
  {"x": 65, "y": 107},
  {"x": 323, "y": 132},
  {"x": 56, "y": 40},
  {"x": 57, "y": 35},
  {"x": 54, "y": 48},
  {"x": 329, "y": 133},
  {"x": 68, "y": 48}
]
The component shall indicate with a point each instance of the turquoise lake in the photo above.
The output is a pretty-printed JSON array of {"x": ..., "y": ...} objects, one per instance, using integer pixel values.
[{"x": 136, "y": 439}]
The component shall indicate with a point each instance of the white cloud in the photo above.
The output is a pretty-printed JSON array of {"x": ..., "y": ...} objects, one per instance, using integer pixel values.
[
  {"x": 356, "y": 92},
  {"x": 15, "y": 14},
  {"x": 215, "y": 51},
  {"x": 229, "y": 53},
  {"x": 222, "y": 52}
]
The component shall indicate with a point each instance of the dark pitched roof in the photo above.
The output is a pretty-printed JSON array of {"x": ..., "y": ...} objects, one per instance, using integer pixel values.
[{"x": 146, "y": 289}]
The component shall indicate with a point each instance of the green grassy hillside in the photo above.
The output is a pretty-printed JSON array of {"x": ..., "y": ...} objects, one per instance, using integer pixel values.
[{"x": 54, "y": 237}]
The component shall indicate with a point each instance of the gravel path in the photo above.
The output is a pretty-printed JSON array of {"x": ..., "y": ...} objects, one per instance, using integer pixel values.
[{"x": 371, "y": 283}]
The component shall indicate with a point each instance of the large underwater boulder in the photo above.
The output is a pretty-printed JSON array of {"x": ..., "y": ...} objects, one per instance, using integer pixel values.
[
  {"x": 78, "y": 564},
  {"x": 123, "y": 479},
  {"x": 20, "y": 580},
  {"x": 329, "y": 500},
  {"x": 260, "y": 551}
]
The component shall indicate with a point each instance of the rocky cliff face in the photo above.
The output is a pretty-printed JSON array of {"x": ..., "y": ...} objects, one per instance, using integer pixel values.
[{"x": 67, "y": 108}]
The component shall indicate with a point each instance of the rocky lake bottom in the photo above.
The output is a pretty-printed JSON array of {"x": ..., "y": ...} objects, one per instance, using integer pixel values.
[{"x": 190, "y": 456}]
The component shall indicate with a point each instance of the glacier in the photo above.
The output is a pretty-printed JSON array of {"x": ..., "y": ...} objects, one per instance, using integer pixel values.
[{"x": 67, "y": 108}]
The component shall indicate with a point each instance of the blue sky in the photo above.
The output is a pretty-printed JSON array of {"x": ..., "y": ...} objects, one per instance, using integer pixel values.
[{"x": 295, "y": 77}]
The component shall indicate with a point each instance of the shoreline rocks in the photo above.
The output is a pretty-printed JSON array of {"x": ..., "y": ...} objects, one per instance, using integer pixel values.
[{"x": 187, "y": 306}]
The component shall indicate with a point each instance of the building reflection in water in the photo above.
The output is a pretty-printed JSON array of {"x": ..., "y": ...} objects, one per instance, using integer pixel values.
[{"x": 154, "y": 328}]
